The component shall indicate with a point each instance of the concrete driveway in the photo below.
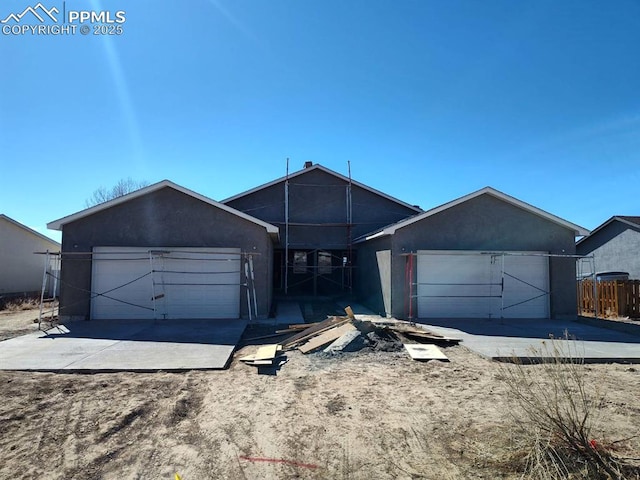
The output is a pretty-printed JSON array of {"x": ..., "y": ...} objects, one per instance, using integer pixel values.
[
  {"x": 504, "y": 339},
  {"x": 131, "y": 345}
]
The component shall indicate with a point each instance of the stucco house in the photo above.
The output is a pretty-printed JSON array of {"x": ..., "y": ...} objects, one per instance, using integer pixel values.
[
  {"x": 21, "y": 269},
  {"x": 167, "y": 252},
  {"x": 615, "y": 246}
]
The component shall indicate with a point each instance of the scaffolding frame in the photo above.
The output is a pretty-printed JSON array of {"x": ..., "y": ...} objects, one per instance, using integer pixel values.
[{"x": 348, "y": 265}]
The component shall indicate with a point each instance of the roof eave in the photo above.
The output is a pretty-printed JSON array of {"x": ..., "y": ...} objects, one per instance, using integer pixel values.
[
  {"x": 330, "y": 172},
  {"x": 29, "y": 230},
  {"x": 390, "y": 230},
  {"x": 58, "y": 224}
]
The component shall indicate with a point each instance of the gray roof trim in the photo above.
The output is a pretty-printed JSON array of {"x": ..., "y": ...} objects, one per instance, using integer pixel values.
[
  {"x": 615, "y": 218},
  {"x": 391, "y": 229},
  {"x": 57, "y": 224},
  {"x": 29, "y": 230},
  {"x": 330, "y": 172}
]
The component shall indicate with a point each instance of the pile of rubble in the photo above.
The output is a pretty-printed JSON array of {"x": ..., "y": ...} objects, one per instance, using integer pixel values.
[{"x": 339, "y": 334}]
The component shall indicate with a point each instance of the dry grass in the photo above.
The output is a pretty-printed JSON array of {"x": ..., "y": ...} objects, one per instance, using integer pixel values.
[
  {"x": 16, "y": 304},
  {"x": 557, "y": 409}
]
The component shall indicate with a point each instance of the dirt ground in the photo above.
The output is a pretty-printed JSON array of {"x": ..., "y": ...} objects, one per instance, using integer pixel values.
[{"x": 376, "y": 415}]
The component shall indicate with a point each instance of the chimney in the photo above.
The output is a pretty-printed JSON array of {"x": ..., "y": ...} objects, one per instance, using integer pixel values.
[{"x": 308, "y": 164}]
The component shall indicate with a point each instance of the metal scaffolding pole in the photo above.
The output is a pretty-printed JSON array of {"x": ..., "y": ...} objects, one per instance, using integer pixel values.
[
  {"x": 349, "y": 232},
  {"x": 286, "y": 231},
  {"x": 44, "y": 286}
]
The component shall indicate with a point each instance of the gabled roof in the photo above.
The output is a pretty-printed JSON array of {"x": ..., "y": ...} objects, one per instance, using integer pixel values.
[
  {"x": 330, "y": 172},
  {"x": 628, "y": 220},
  {"x": 391, "y": 229},
  {"x": 57, "y": 224},
  {"x": 28, "y": 230}
]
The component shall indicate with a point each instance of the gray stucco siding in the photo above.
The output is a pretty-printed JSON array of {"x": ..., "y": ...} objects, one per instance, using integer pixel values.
[
  {"x": 165, "y": 218},
  {"x": 317, "y": 197},
  {"x": 616, "y": 249},
  {"x": 373, "y": 285},
  {"x": 486, "y": 223}
]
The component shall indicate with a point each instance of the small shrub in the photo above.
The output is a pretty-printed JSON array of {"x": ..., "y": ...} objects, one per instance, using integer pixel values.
[{"x": 556, "y": 409}]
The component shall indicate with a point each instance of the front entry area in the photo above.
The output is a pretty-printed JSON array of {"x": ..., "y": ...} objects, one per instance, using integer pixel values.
[
  {"x": 165, "y": 283},
  {"x": 313, "y": 271}
]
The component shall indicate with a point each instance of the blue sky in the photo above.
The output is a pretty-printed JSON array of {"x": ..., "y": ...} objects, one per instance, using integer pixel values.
[{"x": 429, "y": 100}]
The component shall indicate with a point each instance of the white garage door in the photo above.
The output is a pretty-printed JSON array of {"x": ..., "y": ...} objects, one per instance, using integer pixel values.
[
  {"x": 134, "y": 282},
  {"x": 461, "y": 284}
]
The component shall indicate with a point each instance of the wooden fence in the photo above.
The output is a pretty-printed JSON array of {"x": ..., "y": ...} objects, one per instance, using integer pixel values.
[{"x": 616, "y": 298}]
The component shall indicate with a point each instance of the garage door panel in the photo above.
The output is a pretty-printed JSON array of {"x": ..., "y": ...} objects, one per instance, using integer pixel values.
[
  {"x": 456, "y": 284},
  {"x": 465, "y": 308},
  {"x": 186, "y": 282}
]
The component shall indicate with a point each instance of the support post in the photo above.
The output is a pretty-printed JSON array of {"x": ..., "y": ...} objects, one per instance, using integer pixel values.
[
  {"x": 44, "y": 286},
  {"x": 153, "y": 285},
  {"x": 286, "y": 231},
  {"x": 253, "y": 286},
  {"x": 596, "y": 300},
  {"x": 349, "y": 232},
  {"x": 502, "y": 287}
]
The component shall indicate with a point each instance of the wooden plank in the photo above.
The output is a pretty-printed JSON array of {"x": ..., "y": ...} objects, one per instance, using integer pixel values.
[
  {"x": 314, "y": 329},
  {"x": 420, "y": 351},
  {"x": 266, "y": 352},
  {"x": 414, "y": 331},
  {"x": 326, "y": 337},
  {"x": 261, "y": 363},
  {"x": 302, "y": 326},
  {"x": 288, "y": 330},
  {"x": 263, "y": 337}
]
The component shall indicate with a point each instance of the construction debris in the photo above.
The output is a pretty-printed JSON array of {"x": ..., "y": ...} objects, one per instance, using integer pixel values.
[
  {"x": 266, "y": 355},
  {"x": 346, "y": 343},
  {"x": 327, "y": 337},
  {"x": 339, "y": 334},
  {"x": 419, "y": 351}
]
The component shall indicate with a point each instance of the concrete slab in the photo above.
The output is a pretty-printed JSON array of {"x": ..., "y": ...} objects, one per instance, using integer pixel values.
[
  {"x": 131, "y": 345},
  {"x": 289, "y": 313},
  {"x": 526, "y": 339}
]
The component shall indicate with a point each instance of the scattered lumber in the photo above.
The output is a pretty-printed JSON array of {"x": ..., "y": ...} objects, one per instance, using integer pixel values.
[
  {"x": 314, "y": 330},
  {"x": 288, "y": 330},
  {"x": 412, "y": 331},
  {"x": 325, "y": 338},
  {"x": 343, "y": 343},
  {"x": 264, "y": 337},
  {"x": 302, "y": 326},
  {"x": 349, "y": 312},
  {"x": 422, "y": 352},
  {"x": 265, "y": 355}
]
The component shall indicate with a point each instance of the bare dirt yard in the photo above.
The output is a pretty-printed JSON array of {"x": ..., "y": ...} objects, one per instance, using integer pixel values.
[{"x": 365, "y": 415}]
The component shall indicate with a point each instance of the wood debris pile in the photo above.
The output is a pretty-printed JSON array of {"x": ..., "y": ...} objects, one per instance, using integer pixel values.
[{"x": 339, "y": 334}]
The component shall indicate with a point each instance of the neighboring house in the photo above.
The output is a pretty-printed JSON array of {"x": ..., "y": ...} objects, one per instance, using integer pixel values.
[
  {"x": 21, "y": 269},
  {"x": 615, "y": 246},
  {"x": 482, "y": 255},
  {"x": 167, "y": 252}
]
